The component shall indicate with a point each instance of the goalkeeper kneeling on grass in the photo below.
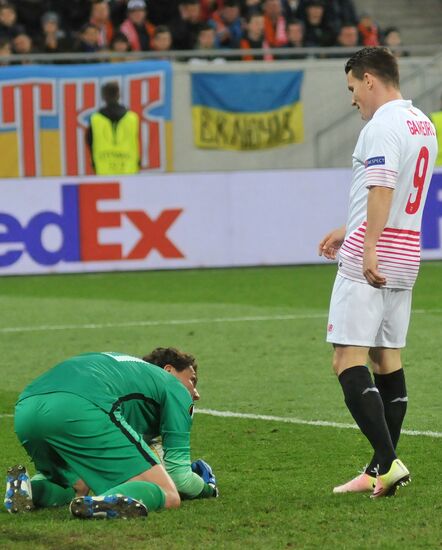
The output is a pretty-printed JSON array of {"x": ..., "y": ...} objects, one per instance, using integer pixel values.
[{"x": 85, "y": 424}]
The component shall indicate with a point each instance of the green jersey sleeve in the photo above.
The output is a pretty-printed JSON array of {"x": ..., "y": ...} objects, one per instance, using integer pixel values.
[{"x": 175, "y": 426}]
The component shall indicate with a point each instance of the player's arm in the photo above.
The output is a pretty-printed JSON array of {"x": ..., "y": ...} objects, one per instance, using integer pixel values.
[
  {"x": 381, "y": 156},
  {"x": 378, "y": 209},
  {"x": 175, "y": 428},
  {"x": 200, "y": 483},
  {"x": 332, "y": 242}
]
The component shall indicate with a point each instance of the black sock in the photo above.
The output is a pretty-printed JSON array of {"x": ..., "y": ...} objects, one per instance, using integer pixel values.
[
  {"x": 393, "y": 392},
  {"x": 365, "y": 404}
]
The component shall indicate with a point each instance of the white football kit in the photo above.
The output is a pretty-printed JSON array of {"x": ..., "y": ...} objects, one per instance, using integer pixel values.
[{"x": 396, "y": 149}]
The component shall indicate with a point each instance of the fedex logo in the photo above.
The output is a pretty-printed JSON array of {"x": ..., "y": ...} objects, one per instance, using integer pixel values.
[
  {"x": 80, "y": 223},
  {"x": 431, "y": 222}
]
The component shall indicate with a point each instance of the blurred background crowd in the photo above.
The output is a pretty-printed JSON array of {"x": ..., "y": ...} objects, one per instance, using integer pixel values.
[{"x": 88, "y": 26}]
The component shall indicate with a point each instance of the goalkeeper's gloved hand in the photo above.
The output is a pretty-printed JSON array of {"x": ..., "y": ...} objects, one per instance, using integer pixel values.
[{"x": 201, "y": 468}]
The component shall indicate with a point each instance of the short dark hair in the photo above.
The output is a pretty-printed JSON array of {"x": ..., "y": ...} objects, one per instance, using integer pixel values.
[
  {"x": 171, "y": 356},
  {"x": 205, "y": 27},
  {"x": 119, "y": 37},
  {"x": 87, "y": 26},
  {"x": 254, "y": 12},
  {"x": 376, "y": 60},
  {"x": 110, "y": 92},
  {"x": 160, "y": 29},
  {"x": 295, "y": 21}
]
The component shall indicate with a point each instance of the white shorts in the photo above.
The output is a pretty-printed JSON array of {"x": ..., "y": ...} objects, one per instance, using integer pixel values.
[{"x": 361, "y": 315}]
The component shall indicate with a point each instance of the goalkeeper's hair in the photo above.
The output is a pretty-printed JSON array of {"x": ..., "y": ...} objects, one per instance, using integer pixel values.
[{"x": 171, "y": 356}]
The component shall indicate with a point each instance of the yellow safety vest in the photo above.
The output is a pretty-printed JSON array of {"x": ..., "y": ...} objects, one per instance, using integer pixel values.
[
  {"x": 115, "y": 146},
  {"x": 437, "y": 121}
]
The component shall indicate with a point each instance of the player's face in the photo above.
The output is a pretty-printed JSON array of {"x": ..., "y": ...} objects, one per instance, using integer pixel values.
[
  {"x": 361, "y": 95},
  {"x": 188, "y": 377}
]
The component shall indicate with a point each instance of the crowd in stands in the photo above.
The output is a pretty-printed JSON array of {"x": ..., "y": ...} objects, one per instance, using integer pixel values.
[{"x": 88, "y": 26}]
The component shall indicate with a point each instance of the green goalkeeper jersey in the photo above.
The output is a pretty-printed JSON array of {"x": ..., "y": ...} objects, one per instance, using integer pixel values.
[{"x": 150, "y": 399}]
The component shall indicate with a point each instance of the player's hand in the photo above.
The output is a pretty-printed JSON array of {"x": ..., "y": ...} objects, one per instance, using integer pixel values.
[
  {"x": 201, "y": 468},
  {"x": 370, "y": 269},
  {"x": 331, "y": 243}
]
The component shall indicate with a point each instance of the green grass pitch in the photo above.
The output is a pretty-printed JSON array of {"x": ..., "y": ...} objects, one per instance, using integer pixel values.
[{"x": 258, "y": 334}]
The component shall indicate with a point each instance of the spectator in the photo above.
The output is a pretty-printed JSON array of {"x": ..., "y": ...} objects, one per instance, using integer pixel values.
[
  {"x": 250, "y": 6},
  {"x": 52, "y": 39},
  {"x": 162, "y": 12},
  {"x": 295, "y": 36},
  {"x": 318, "y": 32},
  {"x": 274, "y": 24},
  {"x": 290, "y": 9},
  {"x": 348, "y": 36},
  {"x": 137, "y": 28},
  {"x": 209, "y": 7},
  {"x": 5, "y": 50},
  {"x": 120, "y": 44},
  {"x": 30, "y": 12},
  {"x": 392, "y": 39},
  {"x": 206, "y": 41},
  {"x": 8, "y": 21},
  {"x": 186, "y": 26},
  {"x": 100, "y": 17},
  {"x": 22, "y": 44},
  {"x": 74, "y": 14},
  {"x": 346, "y": 12},
  {"x": 368, "y": 30},
  {"x": 228, "y": 24},
  {"x": 113, "y": 135},
  {"x": 330, "y": 18},
  {"x": 254, "y": 37},
  {"x": 88, "y": 39},
  {"x": 162, "y": 39}
]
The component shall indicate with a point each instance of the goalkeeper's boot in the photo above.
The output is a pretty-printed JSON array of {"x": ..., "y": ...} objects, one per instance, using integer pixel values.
[
  {"x": 387, "y": 484},
  {"x": 107, "y": 507},
  {"x": 18, "y": 495},
  {"x": 363, "y": 483}
]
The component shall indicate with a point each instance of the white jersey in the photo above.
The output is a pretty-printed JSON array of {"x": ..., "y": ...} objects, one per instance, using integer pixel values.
[{"x": 396, "y": 149}]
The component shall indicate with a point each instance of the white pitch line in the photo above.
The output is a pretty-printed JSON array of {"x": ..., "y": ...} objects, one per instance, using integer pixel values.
[
  {"x": 166, "y": 322},
  {"x": 171, "y": 322},
  {"x": 290, "y": 420}
]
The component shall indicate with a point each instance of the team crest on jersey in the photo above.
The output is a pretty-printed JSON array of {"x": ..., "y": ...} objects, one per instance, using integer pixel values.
[
  {"x": 374, "y": 161},
  {"x": 191, "y": 411}
]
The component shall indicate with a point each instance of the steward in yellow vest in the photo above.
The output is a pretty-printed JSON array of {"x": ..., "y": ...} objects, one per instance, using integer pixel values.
[
  {"x": 436, "y": 118},
  {"x": 113, "y": 136}
]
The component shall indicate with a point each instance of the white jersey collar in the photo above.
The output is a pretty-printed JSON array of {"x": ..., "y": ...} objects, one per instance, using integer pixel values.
[{"x": 406, "y": 103}]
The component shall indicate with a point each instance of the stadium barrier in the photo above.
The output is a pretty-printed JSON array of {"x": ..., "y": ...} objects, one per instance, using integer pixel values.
[
  {"x": 169, "y": 221},
  {"x": 45, "y": 110}
]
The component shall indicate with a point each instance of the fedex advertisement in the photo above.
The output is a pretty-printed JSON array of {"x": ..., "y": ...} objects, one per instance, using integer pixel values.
[{"x": 174, "y": 221}]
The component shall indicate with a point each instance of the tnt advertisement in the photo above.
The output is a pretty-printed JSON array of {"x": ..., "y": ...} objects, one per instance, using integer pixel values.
[
  {"x": 168, "y": 221},
  {"x": 45, "y": 110},
  {"x": 247, "y": 111}
]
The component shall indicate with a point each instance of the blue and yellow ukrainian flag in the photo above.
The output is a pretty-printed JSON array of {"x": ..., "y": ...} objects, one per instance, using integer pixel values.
[{"x": 247, "y": 111}]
